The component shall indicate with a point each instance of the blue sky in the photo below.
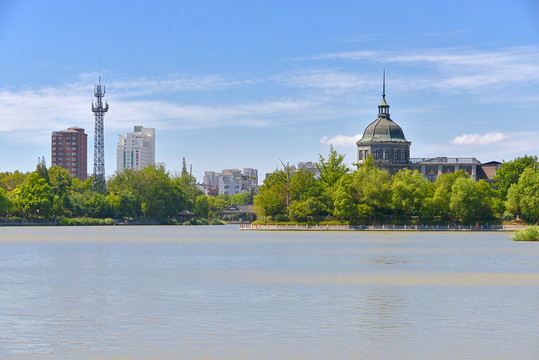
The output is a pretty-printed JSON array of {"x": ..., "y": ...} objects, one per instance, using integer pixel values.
[{"x": 237, "y": 84}]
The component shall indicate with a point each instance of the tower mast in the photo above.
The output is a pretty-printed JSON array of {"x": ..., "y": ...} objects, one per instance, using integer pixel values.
[{"x": 99, "y": 140}]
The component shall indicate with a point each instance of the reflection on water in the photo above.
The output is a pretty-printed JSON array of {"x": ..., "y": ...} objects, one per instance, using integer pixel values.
[{"x": 218, "y": 293}]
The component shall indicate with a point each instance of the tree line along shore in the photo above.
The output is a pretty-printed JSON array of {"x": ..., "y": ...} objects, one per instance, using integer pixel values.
[{"x": 365, "y": 195}]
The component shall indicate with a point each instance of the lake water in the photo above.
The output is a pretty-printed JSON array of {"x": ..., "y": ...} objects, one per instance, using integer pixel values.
[{"x": 221, "y": 293}]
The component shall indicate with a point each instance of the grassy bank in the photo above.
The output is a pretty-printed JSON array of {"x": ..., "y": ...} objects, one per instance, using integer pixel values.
[
  {"x": 529, "y": 233},
  {"x": 84, "y": 221}
]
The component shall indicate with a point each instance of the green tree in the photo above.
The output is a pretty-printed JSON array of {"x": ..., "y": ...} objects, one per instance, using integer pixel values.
[
  {"x": 97, "y": 206},
  {"x": 125, "y": 204},
  {"x": 202, "y": 206},
  {"x": 510, "y": 171},
  {"x": 408, "y": 192},
  {"x": 465, "y": 201},
  {"x": 269, "y": 203},
  {"x": 363, "y": 193},
  {"x": 306, "y": 210},
  {"x": 523, "y": 197},
  {"x": 331, "y": 170},
  {"x": 36, "y": 197},
  {"x": 79, "y": 203},
  {"x": 41, "y": 169},
  {"x": 10, "y": 181},
  {"x": 346, "y": 198},
  {"x": 60, "y": 181},
  {"x": 82, "y": 186},
  {"x": 274, "y": 196},
  {"x": 188, "y": 184},
  {"x": 245, "y": 198},
  {"x": 162, "y": 197},
  {"x": 439, "y": 203},
  {"x": 217, "y": 204},
  {"x": 5, "y": 203}
]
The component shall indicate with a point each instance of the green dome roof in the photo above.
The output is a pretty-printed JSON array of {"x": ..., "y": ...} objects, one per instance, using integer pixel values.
[{"x": 383, "y": 129}]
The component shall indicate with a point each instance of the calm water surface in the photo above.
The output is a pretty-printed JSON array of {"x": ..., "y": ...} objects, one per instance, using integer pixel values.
[{"x": 220, "y": 293}]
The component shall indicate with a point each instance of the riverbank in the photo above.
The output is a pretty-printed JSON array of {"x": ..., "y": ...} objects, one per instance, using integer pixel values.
[
  {"x": 89, "y": 222},
  {"x": 379, "y": 227}
]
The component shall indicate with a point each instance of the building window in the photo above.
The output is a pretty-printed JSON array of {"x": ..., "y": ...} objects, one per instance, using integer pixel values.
[
  {"x": 395, "y": 154},
  {"x": 376, "y": 154},
  {"x": 384, "y": 154},
  {"x": 403, "y": 154},
  {"x": 360, "y": 154},
  {"x": 74, "y": 143}
]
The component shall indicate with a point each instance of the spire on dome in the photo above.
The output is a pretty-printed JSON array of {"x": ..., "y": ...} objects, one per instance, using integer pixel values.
[
  {"x": 384, "y": 86},
  {"x": 383, "y": 108}
]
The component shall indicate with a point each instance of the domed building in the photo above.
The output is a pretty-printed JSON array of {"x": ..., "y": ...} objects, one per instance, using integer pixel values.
[{"x": 384, "y": 141}]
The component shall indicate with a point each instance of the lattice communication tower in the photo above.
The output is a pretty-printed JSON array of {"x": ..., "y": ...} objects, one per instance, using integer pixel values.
[{"x": 99, "y": 141}]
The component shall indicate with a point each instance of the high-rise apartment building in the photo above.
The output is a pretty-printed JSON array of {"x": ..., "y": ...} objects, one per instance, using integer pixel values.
[
  {"x": 136, "y": 150},
  {"x": 69, "y": 151}
]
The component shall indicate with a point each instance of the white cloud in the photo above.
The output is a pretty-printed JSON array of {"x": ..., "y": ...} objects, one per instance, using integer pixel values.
[
  {"x": 476, "y": 139},
  {"x": 341, "y": 140},
  {"x": 177, "y": 83},
  {"x": 326, "y": 79},
  {"x": 42, "y": 110},
  {"x": 455, "y": 69}
]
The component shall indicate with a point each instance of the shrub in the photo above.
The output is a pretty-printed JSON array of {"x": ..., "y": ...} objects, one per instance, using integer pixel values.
[
  {"x": 529, "y": 233},
  {"x": 508, "y": 216},
  {"x": 85, "y": 221},
  {"x": 197, "y": 222},
  {"x": 217, "y": 222},
  {"x": 169, "y": 222}
]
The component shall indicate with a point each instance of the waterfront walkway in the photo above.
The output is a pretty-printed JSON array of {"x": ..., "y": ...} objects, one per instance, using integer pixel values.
[{"x": 380, "y": 227}]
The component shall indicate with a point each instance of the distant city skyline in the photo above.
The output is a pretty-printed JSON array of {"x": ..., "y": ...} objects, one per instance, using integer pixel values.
[{"x": 252, "y": 84}]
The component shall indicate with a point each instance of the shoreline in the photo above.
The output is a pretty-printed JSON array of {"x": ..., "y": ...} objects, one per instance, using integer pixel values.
[
  {"x": 254, "y": 227},
  {"x": 286, "y": 227}
]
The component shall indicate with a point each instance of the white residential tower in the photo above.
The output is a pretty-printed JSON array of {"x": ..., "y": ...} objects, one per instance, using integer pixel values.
[{"x": 136, "y": 150}]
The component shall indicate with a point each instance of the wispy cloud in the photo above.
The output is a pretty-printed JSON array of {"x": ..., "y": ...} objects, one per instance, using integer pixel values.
[
  {"x": 476, "y": 139},
  {"x": 45, "y": 109},
  {"x": 341, "y": 140},
  {"x": 325, "y": 79},
  {"x": 456, "y": 69},
  {"x": 178, "y": 83}
]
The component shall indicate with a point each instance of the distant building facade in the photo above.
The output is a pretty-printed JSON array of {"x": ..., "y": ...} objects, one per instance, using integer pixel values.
[
  {"x": 211, "y": 178},
  {"x": 69, "y": 151},
  {"x": 230, "y": 181},
  {"x": 136, "y": 150},
  {"x": 292, "y": 169},
  {"x": 384, "y": 141},
  {"x": 310, "y": 166},
  {"x": 249, "y": 179}
]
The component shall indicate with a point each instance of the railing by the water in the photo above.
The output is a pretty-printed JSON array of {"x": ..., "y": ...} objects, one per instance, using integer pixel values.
[
  {"x": 381, "y": 227},
  {"x": 30, "y": 221}
]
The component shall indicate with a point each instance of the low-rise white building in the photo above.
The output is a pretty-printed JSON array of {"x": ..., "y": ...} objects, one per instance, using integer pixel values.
[
  {"x": 230, "y": 182},
  {"x": 136, "y": 150}
]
